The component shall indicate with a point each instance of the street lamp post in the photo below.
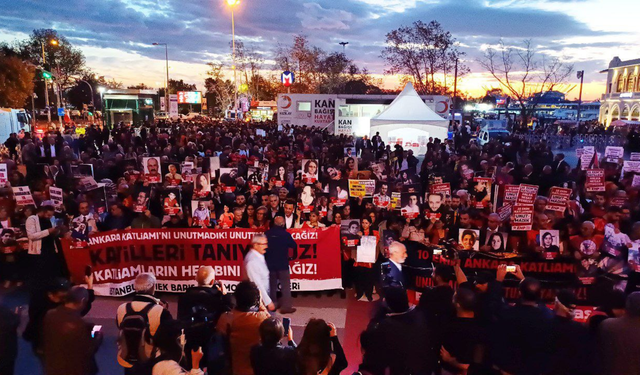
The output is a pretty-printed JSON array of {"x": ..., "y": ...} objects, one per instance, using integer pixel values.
[
  {"x": 233, "y": 3},
  {"x": 166, "y": 86},
  {"x": 90, "y": 90},
  {"x": 581, "y": 76},
  {"x": 46, "y": 86}
]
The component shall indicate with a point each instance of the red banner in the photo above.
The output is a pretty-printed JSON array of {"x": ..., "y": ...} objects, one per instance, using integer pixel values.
[{"x": 174, "y": 256}]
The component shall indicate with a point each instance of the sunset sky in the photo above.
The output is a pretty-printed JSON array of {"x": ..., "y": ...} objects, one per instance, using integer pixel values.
[{"x": 116, "y": 35}]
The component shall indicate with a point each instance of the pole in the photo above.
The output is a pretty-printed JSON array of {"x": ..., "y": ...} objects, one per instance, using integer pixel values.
[
  {"x": 235, "y": 81},
  {"x": 580, "y": 97},
  {"x": 166, "y": 86},
  {"x": 455, "y": 93},
  {"x": 46, "y": 87},
  {"x": 33, "y": 111}
]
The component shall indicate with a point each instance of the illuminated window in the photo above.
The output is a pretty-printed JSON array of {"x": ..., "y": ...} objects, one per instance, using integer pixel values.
[
  {"x": 620, "y": 84},
  {"x": 631, "y": 82},
  {"x": 304, "y": 106}
]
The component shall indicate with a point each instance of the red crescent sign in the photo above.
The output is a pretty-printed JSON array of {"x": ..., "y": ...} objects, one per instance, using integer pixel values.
[
  {"x": 288, "y": 99},
  {"x": 446, "y": 106}
]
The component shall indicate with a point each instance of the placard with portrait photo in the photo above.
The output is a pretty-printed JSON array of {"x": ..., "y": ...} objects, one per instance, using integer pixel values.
[
  {"x": 339, "y": 192},
  {"x": 306, "y": 199},
  {"x": 172, "y": 175},
  {"x": 228, "y": 177},
  {"x": 497, "y": 242},
  {"x": 171, "y": 202},
  {"x": 382, "y": 196},
  {"x": 351, "y": 167},
  {"x": 310, "y": 169},
  {"x": 200, "y": 213},
  {"x": 202, "y": 186},
  {"x": 410, "y": 205},
  {"x": 151, "y": 170},
  {"x": 469, "y": 239},
  {"x": 141, "y": 199},
  {"x": 349, "y": 230},
  {"x": 549, "y": 240}
]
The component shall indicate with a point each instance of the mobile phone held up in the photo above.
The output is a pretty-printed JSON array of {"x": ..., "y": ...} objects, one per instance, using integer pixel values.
[
  {"x": 88, "y": 270},
  {"x": 95, "y": 330},
  {"x": 511, "y": 269}
]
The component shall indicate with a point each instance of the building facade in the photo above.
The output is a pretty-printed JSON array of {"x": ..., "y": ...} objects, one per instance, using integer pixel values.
[{"x": 621, "y": 100}]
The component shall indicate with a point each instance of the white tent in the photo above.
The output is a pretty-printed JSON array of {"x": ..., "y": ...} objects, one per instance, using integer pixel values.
[{"x": 408, "y": 121}]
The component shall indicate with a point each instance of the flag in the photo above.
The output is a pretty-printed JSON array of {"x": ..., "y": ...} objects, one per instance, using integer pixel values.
[{"x": 580, "y": 74}]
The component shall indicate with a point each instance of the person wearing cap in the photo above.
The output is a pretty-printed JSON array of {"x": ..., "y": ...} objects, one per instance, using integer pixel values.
[
  {"x": 572, "y": 345},
  {"x": 619, "y": 341}
]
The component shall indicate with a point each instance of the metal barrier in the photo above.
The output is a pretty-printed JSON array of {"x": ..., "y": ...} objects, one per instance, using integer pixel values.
[{"x": 556, "y": 141}]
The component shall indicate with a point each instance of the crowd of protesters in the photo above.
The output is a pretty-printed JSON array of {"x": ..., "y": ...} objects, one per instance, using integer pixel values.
[{"x": 211, "y": 174}]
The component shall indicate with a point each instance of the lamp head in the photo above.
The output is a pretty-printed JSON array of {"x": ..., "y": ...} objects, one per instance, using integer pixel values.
[
  {"x": 53, "y": 42},
  {"x": 233, "y": 2}
]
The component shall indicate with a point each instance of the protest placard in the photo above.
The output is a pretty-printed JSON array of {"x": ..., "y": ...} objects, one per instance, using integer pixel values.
[
  {"x": 587, "y": 157},
  {"x": 522, "y": 218},
  {"x": 366, "y": 251},
  {"x": 4, "y": 175},
  {"x": 527, "y": 195},
  {"x": 595, "y": 180},
  {"x": 362, "y": 188},
  {"x": 56, "y": 196},
  {"x": 22, "y": 195},
  {"x": 613, "y": 153},
  {"x": 511, "y": 193},
  {"x": 558, "y": 198}
]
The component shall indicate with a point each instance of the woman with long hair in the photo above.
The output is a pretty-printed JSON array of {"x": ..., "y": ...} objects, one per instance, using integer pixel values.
[
  {"x": 249, "y": 215},
  {"x": 261, "y": 221},
  {"x": 320, "y": 352},
  {"x": 363, "y": 272}
]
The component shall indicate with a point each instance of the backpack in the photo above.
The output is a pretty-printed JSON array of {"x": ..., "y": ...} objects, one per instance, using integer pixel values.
[{"x": 134, "y": 334}]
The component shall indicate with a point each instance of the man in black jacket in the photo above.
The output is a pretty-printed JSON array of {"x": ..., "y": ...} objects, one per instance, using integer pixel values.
[
  {"x": 209, "y": 294},
  {"x": 8, "y": 340},
  {"x": 522, "y": 338},
  {"x": 277, "y": 257},
  {"x": 402, "y": 342}
]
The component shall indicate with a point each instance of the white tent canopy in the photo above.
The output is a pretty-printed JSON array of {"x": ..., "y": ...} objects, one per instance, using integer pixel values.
[{"x": 408, "y": 121}]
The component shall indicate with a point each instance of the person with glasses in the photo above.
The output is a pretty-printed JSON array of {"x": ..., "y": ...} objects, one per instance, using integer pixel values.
[{"x": 256, "y": 270}]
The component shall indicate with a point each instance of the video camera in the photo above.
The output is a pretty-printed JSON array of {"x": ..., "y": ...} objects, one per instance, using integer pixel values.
[{"x": 447, "y": 249}]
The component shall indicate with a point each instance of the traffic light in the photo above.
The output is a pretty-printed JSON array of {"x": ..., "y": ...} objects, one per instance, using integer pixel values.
[{"x": 47, "y": 75}]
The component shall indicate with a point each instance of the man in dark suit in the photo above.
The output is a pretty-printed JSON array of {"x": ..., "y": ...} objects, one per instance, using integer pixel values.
[
  {"x": 401, "y": 342},
  {"x": 277, "y": 257},
  {"x": 392, "y": 275},
  {"x": 559, "y": 164},
  {"x": 290, "y": 216}
]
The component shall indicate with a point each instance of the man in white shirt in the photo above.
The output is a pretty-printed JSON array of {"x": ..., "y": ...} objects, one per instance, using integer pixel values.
[{"x": 256, "y": 270}]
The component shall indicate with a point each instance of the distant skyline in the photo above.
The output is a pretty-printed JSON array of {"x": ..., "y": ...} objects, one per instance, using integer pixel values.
[{"x": 116, "y": 36}]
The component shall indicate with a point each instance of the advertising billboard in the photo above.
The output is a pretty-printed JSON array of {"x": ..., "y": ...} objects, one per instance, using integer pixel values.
[{"x": 189, "y": 97}]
